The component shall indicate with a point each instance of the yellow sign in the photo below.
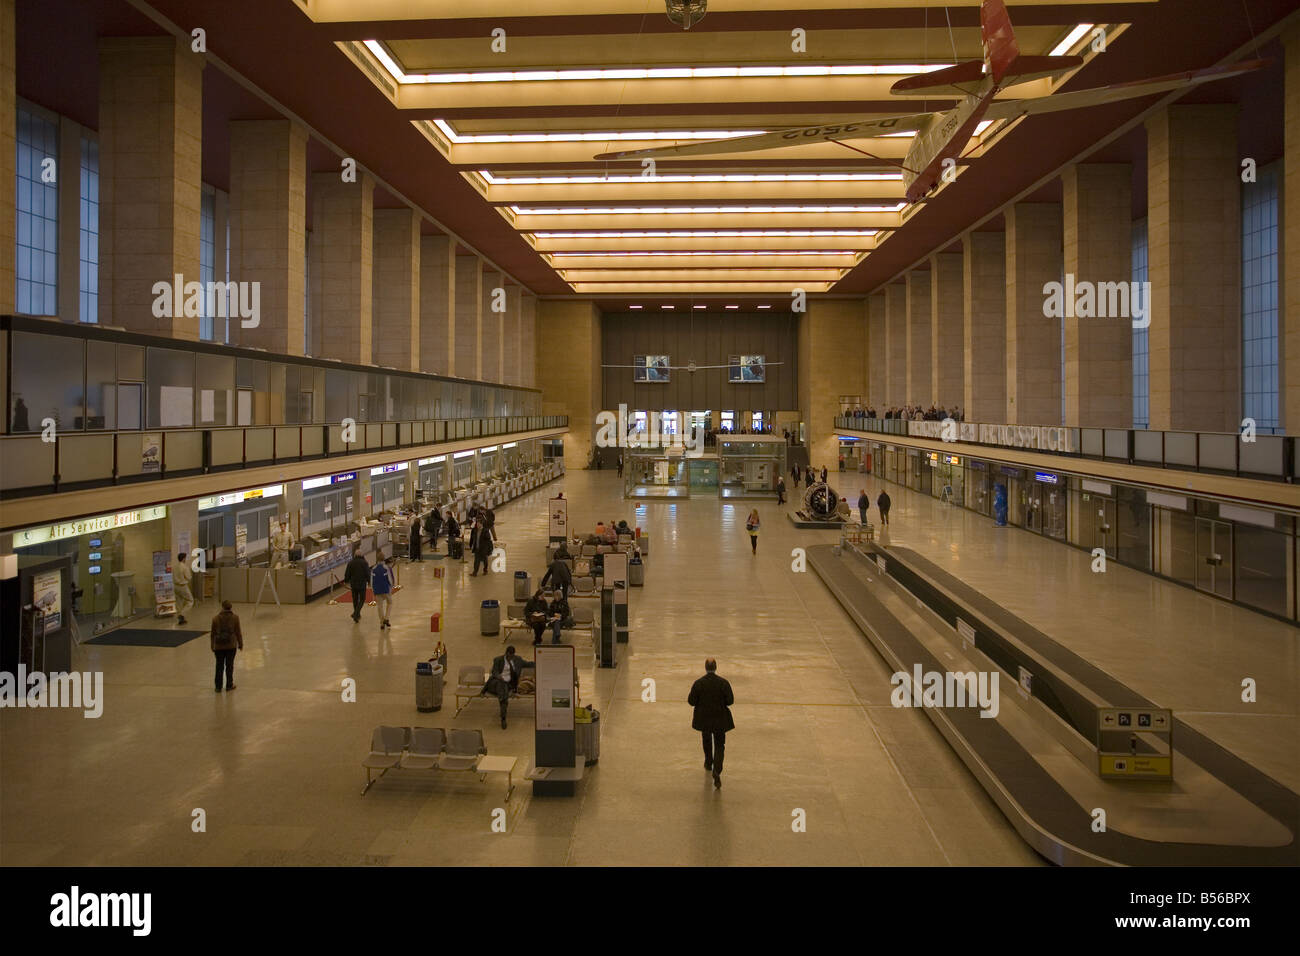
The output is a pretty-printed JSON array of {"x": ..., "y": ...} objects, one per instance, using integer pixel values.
[
  {"x": 71, "y": 529},
  {"x": 1127, "y": 765}
]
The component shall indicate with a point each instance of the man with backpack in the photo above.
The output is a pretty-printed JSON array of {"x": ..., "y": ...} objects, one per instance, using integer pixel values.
[
  {"x": 227, "y": 639},
  {"x": 382, "y": 583},
  {"x": 357, "y": 577}
]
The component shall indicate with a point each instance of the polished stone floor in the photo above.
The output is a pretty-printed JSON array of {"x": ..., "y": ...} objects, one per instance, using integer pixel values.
[{"x": 275, "y": 766}]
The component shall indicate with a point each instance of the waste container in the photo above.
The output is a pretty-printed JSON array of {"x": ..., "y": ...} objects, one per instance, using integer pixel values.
[
  {"x": 428, "y": 686},
  {"x": 522, "y": 587},
  {"x": 489, "y": 617},
  {"x": 636, "y": 572},
  {"x": 586, "y": 735}
]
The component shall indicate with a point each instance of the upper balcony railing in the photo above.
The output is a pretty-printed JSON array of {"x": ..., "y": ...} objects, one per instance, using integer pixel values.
[
  {"x": 32, "y": 466},
  {"x": 1269, "y": 457}
]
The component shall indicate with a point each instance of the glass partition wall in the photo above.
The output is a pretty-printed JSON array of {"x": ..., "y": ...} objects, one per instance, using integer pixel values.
[{"x": 87, "y": 378}]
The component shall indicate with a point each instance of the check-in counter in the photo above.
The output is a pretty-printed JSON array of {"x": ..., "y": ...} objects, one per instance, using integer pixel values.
[
  {"x": 291, "y": 585},
  {"x": 232, "y": 584}
]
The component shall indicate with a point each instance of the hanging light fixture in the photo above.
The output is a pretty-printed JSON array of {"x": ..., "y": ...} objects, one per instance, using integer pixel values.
[{"x": 687, "y": 13}]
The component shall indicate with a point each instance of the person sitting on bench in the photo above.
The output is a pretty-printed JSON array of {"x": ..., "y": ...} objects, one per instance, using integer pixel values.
[
  {"x": 504, "y": 679},
  {"x": 536, "y": 615},
  {"x": 560, "y": 616}
]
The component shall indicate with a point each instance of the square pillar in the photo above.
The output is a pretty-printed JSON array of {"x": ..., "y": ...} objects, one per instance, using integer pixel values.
[
  {"x": 343, "y": 267},
  {"x": 571, "y": 381},
  {"x": 830, "y": 365},
  {"x": 876, "y": 353},
  {"x": 469, "y": 315},
  {"x": 895, "y": 344},
  {"x": 1289, "y": 253},
  {"x": 528, "y": 341},
  {"x": 984, "y": 326},
  {"x": 947, "y": 336},
  {"x": 150, "y": 179},
  {"x": 919, "y": 321},
  {"x": 268, "y": 229},
  {"x": 510, "y": 340},
  {"x": 437, "y": 304},
  {"x": 1033, "y": 360},
  {"x": 397, "y": 289},
  {"x": 493, "y": 325},
  {"x": 1194, "y": 250},
  {"x": 8, "y": 154},
  {"x": 1097, "y": 210},
  {"x": 69, "y": 187}
]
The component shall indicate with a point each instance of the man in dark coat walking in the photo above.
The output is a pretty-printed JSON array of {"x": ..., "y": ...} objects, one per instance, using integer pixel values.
[
  {"x": 883, "y": 504},
  {"x": 357, "y": 576},
  {"x": 712, "y": 699},
  {"x": 432, "y": 526}
]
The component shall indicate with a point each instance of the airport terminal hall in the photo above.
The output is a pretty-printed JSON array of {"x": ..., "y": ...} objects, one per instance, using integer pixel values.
[{"x": 700, "y": 434}]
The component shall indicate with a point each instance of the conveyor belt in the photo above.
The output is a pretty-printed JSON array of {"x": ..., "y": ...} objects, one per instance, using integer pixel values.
[{"x": 1042, "y": 811}]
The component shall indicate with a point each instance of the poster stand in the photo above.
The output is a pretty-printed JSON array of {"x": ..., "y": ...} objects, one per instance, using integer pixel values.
[
  {"x": 555, "y": 737},
  {"x": 616, "y": 577},
  {"x": 268, "y": 578},
  {"x": 559, "y": 520}
]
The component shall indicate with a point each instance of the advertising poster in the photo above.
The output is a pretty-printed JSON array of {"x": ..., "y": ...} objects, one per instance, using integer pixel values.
[
  {"x": 164, "y": 594},
  {"x": 150, "y": 453},
  {"x": 559, "y": 512},
  {"x": 47, "y": 595},
  {"x": 241, "y": 543},
  {"x": 554, "y": 698}
]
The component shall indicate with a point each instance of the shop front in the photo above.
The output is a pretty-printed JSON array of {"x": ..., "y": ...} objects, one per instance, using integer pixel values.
[
  {"x": 979, "y": 492},
  {"x": 112, "y": 564},
  {"x": 1045, "y": 507}
]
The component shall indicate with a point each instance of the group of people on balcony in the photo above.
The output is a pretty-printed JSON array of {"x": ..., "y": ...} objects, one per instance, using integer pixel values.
[{"x": 914, "y": 413}]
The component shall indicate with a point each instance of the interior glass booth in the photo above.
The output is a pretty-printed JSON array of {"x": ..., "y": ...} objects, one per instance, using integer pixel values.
[{"x": 750, "y": 466}]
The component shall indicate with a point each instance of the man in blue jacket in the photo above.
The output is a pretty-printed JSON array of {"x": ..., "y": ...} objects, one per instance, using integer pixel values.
[{"x": 382, "y": 585}]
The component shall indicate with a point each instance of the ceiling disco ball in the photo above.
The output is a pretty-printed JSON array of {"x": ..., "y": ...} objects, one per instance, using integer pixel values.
[
  {"x": 819, "y": 502},
  {"x": 686, "y": 13}
]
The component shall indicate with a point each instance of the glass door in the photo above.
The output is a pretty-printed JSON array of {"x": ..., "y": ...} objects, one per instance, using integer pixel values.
[
  {"x": 1214, "y": 557},
  {"x": 1103, "y": 524}
]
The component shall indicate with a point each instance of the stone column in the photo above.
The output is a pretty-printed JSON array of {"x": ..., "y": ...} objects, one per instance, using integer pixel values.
[
  {"x": 827, "y": 370},
  {"x": 8, "y": 154},
  {"x": 1289, "y": 253},
  {"x": 984, "y": 326},
  {"x": 397, "y": 289},
  {"x": 343, "y": 267},
  {"x": 895, "y": 344},
  {"x": 876, "y": 354},
  {"x": 571, "y": 380},
  {"x": 437, "y": 303},
  {"x": 150, "y": 172},
  {"x": 947, "y": 335},
  {"x": 69, "y": 185},
  {"x": 268, "y": 229},
  {"x": 1194, "y": 250},
  {"x": 494, "y": 305},
  {"x": 1097, "y": 209},
  {"x": 510, "y": 344},
  {"x": 469, "y": 315},
  {"x": 919, "y": 321},
  {"x": 1033, "y": 360},
  {"x": 528, "y": 341}
]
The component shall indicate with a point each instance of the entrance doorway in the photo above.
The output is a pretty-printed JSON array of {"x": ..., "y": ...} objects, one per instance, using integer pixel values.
[{"x": 1214, "y": 557}]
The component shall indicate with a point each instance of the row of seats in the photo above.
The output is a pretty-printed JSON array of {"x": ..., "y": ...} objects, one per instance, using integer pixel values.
[{"x": 422, "y": 748}]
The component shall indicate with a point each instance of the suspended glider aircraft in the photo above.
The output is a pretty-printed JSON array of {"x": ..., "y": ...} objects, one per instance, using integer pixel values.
[{"x": 941, "y": 137}]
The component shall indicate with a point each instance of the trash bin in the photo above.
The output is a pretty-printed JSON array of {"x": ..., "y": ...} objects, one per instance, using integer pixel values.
[
  {"x": 522, "y": 591},
  {"x": 428, "y": 686},
  {"x": 586, "y": 735},
  {"x": 489, "y": 618},
  {"x": 636, "y": 572}
]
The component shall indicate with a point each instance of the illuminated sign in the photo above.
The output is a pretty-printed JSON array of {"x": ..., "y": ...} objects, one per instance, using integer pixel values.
[
  {"x": 430, "y": 461},
  {"x": 1046, "y": 477},
  {"x": 235, "y": 497},
  {"x": 328, "y": 480},
  {"x": 388, "y": 469},
  {"x": 70, "y": 529},
  {"x": 487, "y": 449},
  {"x": 510, "y": 444},
  {"x": 462, "y": 454},
  {"x": 952, "y": 459}
]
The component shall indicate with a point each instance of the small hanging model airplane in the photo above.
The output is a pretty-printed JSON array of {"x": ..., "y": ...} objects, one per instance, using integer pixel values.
[{"x": 941, "y": 137}]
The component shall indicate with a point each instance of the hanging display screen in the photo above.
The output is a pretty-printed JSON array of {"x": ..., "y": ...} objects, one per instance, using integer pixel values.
[
  {"x": 650, "y": 368},
  {"x": 747, "y": 368}
]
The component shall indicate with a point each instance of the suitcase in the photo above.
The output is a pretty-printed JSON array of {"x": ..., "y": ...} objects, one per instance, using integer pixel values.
[{"x": 457, "y": 549}]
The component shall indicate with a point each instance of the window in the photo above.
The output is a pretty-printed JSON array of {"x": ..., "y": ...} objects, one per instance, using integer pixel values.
[
  {"x": 37, "y": 268},
  {"x": 88, "y": 298},
  {"x": 728, "y": 421},
  {"x": 1259, "y": 240},
  {"x": 1141, "y": 370}
]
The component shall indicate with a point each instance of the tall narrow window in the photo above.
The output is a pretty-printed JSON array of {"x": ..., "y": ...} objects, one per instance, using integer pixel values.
[
  {"x": 1141, "y": 351},
  {"x": 1259, "y": 214},
  {"x": 207, "y": 259},
  {"x": 36, "y": 270},
  {"x": 88, "y": 298}
]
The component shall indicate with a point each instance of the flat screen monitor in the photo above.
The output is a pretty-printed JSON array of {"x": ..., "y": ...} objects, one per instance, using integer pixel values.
[
  {"x": 650, "y": 368},
  {"x": 747, "y": 368}
]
